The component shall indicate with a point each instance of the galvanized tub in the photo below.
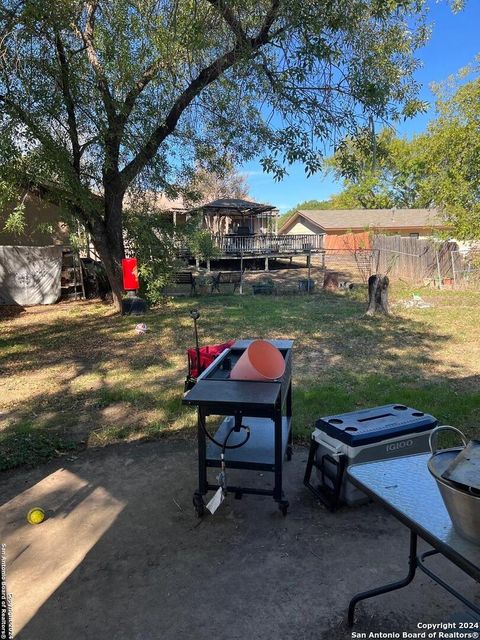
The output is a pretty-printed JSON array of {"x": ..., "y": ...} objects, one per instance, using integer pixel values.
[{"x": 463, "y": 505}]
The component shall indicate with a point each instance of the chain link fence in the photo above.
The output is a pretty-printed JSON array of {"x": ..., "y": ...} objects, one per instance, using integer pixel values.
[{"x": 416, "y": 261}]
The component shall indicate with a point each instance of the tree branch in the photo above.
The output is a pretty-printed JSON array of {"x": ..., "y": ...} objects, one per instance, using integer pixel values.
[
  {"x": 205, "y": 77},
  {"x": 222, "y": 7},
  {"x": 147, "y": 76},
  {"x": 87, "y": 37},
  {"x": 270, "y": 17},
  {"x": 69, "y": 102},
  {"x": 57, "y": 195},
  {"x": 78, "y": 194}
]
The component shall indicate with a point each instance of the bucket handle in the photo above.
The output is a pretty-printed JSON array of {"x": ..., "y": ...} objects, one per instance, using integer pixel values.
[{"x": 433, "y": 436}]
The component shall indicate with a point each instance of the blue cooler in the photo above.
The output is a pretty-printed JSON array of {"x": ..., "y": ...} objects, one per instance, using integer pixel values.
[{"x": 338, "y": 441}]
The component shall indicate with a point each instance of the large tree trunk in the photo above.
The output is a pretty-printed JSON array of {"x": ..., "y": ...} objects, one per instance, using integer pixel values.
[
  {"x": 111, "y": 252},
  {"x": 113, "y": 194}
]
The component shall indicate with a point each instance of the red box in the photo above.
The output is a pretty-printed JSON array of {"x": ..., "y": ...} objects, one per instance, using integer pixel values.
[{"x": 130, "y": 274}]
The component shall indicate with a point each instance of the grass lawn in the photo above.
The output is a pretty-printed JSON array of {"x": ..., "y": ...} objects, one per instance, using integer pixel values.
[{"x": 75, "y": 375}]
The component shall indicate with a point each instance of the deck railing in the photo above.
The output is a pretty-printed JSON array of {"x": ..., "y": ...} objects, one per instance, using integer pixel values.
[{"x": 269, "y": 244}]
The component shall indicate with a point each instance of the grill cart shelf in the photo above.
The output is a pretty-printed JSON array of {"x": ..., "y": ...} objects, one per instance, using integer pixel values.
[{"x": 265, "y": 407}]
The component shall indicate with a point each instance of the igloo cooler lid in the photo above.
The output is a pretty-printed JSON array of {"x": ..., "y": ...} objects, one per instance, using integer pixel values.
[{"x": 374, "y": 425}]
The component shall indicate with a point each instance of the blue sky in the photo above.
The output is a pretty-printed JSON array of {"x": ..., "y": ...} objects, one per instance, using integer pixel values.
[{"x": 455, "y": 41}]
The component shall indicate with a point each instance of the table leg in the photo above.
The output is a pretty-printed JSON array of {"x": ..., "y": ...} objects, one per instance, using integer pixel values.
[
  {"x": 442, "y": 583},
  {"x": 289, "y": 415},
  {"x": 198, "y": 502},
  {"x": 202, "y": 454},
  {"x": 412, "y": 566},
  {"x": 277, "y": 491}
]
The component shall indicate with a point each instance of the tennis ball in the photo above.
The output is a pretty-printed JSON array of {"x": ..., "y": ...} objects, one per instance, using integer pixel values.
[{"x": 36, "y": 515}]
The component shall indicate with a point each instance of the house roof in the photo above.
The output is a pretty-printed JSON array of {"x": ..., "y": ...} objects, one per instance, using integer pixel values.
[
  {"x": 339, "y": 219},
  {"x": 157, "y": 200},
  {"x": 232, "y": 206}
]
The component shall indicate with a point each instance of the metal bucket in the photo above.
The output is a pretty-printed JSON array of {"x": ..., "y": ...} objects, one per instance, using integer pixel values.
[{"x": 463, "y": 506}]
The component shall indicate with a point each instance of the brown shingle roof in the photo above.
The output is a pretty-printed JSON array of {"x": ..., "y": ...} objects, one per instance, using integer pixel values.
[
  {"x": 234, "y": 206},
  {"x": 359, "y": 219}
]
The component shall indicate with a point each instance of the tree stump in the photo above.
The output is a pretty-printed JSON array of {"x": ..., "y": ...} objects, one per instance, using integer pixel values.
[
  {"x": 330, "y": 281},
  {"x": 378, "y": 294}
]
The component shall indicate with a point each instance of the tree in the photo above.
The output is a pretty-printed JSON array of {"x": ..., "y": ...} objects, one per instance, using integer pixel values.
[
  {"x": 438, "y": 168},
  {"x": 379, "y": 172},
  {"x": 101, "y": 98},
  {"x": 213, "y": 185},
  {"x": 450, "y": 153}
]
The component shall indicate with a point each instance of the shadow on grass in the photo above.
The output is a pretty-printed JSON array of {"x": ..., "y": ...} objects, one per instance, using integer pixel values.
[
  {"x": 109, "y": 384},
  {"x": 10, "y": 311}
]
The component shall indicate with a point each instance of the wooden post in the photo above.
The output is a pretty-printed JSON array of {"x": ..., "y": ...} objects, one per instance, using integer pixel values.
[
  {"x": 266, "y": 264},
  {"x": 438, "y": 271},
  {"x": 208, "y": 265},
  {"x": 309, "y": 265},
  {"x": 454, "y": 275},
  {"x": 74, "y": 274}
]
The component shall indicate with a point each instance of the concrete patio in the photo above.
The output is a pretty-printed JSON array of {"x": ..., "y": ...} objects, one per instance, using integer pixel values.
[{"x": 122, "y": 556}]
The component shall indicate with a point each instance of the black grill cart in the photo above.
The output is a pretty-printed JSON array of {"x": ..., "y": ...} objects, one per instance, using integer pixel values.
[{"x": 264, "y": 408}]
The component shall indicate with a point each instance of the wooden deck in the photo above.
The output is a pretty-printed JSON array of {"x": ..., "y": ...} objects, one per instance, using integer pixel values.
[
  {"x": 232, "y": 246},
  {"x": 261, "y": 246}
]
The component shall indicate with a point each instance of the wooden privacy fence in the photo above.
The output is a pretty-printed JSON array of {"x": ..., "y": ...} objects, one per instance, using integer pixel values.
[
  {"x": 413, "y": 259},
  {"x": 348, "y": 241}
]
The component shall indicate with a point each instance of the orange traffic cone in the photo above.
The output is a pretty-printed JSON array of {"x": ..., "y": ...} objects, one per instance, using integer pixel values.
[{"x": 260, "y": 361}]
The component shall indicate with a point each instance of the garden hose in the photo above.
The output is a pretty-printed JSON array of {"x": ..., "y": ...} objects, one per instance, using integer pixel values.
[{"x": 225, "y": 445}]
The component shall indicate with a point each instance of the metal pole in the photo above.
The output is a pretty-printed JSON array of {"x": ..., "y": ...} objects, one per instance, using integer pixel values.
[
  {"x": 195, "y": 314},
  {"x": 241, "y": 271}
]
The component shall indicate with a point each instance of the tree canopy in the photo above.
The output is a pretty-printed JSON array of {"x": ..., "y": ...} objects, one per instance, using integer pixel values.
[
  {"x": 448, "y": 166},
  {"x": 100, "y": 98},
  {"x": 438, "y": 168},
  {"x": 378, "y": 171}
]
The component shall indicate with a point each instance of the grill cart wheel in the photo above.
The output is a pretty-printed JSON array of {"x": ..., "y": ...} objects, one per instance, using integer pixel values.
[
  {"x": 283, "y": 506},
  {"x": 199, "y": 505}
]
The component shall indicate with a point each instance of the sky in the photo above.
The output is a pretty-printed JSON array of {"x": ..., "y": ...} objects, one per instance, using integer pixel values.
[{"x": 454, "y": 43}]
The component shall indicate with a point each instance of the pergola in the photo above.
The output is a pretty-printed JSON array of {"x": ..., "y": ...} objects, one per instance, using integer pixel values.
[{"x": 224, "y": 215}]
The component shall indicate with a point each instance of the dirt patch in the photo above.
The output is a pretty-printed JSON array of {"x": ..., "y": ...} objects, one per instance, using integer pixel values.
[{"x": 129, "y": 551}]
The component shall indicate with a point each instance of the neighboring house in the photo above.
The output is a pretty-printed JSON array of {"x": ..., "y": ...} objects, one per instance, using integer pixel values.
[
  {"x": 174, "y": 209},
  {"x": 37, "y": 265},
  {"x": 404, "y": 222},
  {"x": 43, "y": 225}
]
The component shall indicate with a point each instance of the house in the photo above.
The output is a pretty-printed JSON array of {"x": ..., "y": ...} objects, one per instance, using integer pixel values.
[
  {"x": 413, "y": 223},
  {"x": 37, "y": 264},
  {"x": 43, "y": 225}
]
